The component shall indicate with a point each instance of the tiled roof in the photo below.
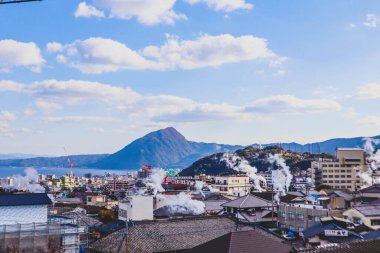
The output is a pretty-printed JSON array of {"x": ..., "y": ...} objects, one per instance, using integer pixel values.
[
  {"x": 24, "y": 199},
  {"x": 167, "y": 235},
  {"x": 369, "y": 210},
  {"x": 369, "y": 246},
  {"x": 244, "y": 242},
  {"x": 248, "y": 201}
]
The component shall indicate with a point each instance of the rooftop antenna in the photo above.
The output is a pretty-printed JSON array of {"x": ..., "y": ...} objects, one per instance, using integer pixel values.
[{"x": 17, "y": 1}]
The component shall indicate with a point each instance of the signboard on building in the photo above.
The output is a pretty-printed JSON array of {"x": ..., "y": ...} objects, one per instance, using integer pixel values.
[{"x": 336, "y": 233}]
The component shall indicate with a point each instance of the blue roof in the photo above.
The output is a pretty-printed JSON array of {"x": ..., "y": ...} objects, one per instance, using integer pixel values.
[
  {"x": 372, "y": 235},
  {"x": 24, "y": 199}
]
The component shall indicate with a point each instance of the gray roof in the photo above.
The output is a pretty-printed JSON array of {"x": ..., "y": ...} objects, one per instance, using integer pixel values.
[
  {"x": 24, "y": 199},
  {"x": 248, "y": 201},
  {"x": 369, "y": 210},
  {"x": 244, "y": 242},
  {"x": 167, "y": 235},
  {"x": 346, "y": 196}
]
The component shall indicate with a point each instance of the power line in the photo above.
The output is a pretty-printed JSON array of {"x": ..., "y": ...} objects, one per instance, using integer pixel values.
[{"x": 16, "y": 1}]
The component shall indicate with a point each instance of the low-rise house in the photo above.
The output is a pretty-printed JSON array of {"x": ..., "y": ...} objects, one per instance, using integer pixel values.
[
  {"x": 170, "y": 235},
  {"x": 330, "y": 231},
  {"x": 24, "y": 208},
  {"x": 368, "y": 215},
  {"x": 233, "y": 185},
  {"x": 244, "y": 241},
  {"x": 251, "y": 209}
]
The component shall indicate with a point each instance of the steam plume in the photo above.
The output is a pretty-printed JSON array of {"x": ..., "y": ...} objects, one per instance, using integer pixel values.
[
  {"x": 242, "y": 165},
  {"x": 29, "y": 182},
  {"x": 281, "y": 177},
  {"x": 373, "y": 162}
]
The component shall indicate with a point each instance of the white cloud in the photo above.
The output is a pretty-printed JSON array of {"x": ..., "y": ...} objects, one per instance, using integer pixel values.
[
  {"x": 20, "y": 54},
  {"x": 147, "y": 12},
  {"x": 369, "y": 91},
  {"x": 47, "y": 105},
  {"x": 372, "y": 21},
  {"x": 98, "y": 55},
  {"x": 79, "y": 119},
  {"x": 54, "y": 47},
  {"x": 159, "y": 108},
  {"x": 372, "y": 120},
  {"x": 11, "y": 132},
  {"x": 287, "y": 104},
  {"x": 8, "y": 116},
  {"x": 86, "y": 10},
  {"x": 224, "y": 5},
  {"x": 208, "y": 51}
]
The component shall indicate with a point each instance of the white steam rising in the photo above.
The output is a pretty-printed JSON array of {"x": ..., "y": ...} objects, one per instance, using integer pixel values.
[
  {"x": 281, "y": 177},
  {"x": 241, "y": 165},
  {"x": 28, "y": 182},
  {"x": 155, "y": 179},
  {"x": 373, "y": 162},
  {"x": 181, "y": 203}
]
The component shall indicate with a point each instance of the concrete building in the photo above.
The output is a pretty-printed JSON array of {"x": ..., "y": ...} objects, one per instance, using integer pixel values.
[
  {"x": 233, "y": 185},
  {"x": 298, "y": 217},
  {"x": 342, "y": 172},
  {"x": 136, "y": 208}
]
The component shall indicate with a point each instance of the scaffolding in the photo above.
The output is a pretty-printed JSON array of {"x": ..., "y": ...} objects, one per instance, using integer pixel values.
[{"x": 42, "y": 237}]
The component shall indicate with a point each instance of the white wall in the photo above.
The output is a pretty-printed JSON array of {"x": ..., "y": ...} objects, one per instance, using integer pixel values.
[
  {"x": 138, "y": 208},
  {"x": 23, "y": 214}
]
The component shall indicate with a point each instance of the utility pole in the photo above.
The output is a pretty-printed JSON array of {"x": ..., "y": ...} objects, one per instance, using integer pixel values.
[{"x": 17, "y": 1}]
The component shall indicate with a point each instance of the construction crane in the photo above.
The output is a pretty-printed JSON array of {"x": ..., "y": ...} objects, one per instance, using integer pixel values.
[{"x": 16, "y": 1}]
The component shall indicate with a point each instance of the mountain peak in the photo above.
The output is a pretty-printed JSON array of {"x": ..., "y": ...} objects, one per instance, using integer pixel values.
[{"x": 166, "y": 133}]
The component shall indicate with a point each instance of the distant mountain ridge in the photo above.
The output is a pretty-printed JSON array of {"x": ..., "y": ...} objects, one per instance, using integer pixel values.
[
  {"x": 328, "y": 146},
  {"x": 163, "y": 148},
  {"x": 168, "y": 148}
]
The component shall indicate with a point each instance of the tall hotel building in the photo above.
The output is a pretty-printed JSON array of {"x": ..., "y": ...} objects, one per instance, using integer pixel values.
[{"x": 342, "y": 172}]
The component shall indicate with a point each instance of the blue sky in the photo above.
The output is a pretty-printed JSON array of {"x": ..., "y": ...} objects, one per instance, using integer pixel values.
[{"x": 94, "y": 75}]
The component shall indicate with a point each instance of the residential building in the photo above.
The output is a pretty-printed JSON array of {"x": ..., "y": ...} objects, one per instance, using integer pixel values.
[
  {"x": 368, "y": 215},
  {"x": 233, "y": 185},
  {"x": 342, "y": 172},
  {"x": 244, "y": 241},
  {"x": 251, "y": 209},
  {"x": 24, "y": 208},
  {"x": 67, "y": 182},
  {"x": 136, "y": 208},
  {"x": 297, "y": 217}
]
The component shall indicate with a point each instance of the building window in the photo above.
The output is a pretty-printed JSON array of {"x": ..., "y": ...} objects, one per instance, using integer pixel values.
[
  {"x": 330, "y": 165},
  {"x": 331, "y": 171},
  {"x": 337, "y": 181},
  {"x": 331, "y": 181},
  {"x": 291, "y": 215},
  {"x": 331, "y": 176},
  {"x": 375, "y": 222},
  {"x": 343, "y": 176},
  {"x": 316, "y": 219},
  {"x": 343, "y": 171},
  {"x": 343, "y": 181},
  {"x": 349, "y": 187},
  {"x": 300, "y": 216},
  {"x": 324, "y": 171},
  {"x": 324, "y": 181},
  {"x": 349, "y": 176},
  {"x": 324, "y": 176},
  {"x": 336, "y": 176},
  {"x": 336, "y": 171},
  {"x": 324, "y": 165},
  {"x": 337, "y": 187},
  {"x": 309, "y": 218},
  {"x": 349, "y": 181},
  {"x": 336, "y": 165}
]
